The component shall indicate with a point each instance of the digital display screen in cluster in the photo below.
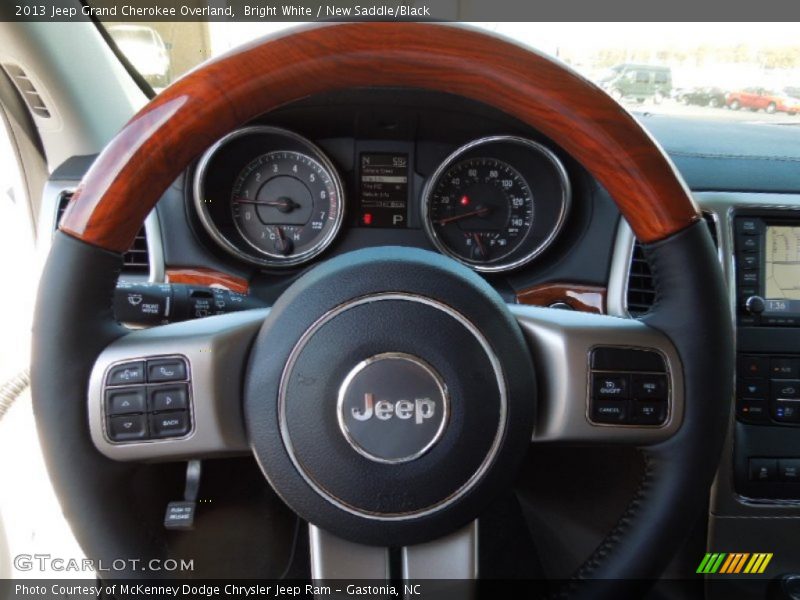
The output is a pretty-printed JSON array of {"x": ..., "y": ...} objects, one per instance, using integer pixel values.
[{"x": 383, "y": 190}]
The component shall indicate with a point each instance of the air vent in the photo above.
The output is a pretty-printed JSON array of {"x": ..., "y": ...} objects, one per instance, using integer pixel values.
[
  {"x": 641, "y": 292},
  {"x": 136, "y": 260},
  {"x": 28, "y": 90}
]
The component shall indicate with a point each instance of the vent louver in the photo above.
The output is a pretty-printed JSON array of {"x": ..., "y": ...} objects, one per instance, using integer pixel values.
[
  {"x": 641, "y": 292},
  {"x": 136, "y": 260},
  {"x": 27, "y": 90}
]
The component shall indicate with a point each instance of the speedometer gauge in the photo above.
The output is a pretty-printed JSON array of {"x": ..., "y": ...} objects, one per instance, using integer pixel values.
[
  {"x": 481, "y": 210},
  {"x": 285, "y": 204},
  {"x": 496, "y": 203}
]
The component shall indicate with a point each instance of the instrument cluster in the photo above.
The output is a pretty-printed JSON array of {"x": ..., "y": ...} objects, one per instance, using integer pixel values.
[{"x": 273, "y": 198}]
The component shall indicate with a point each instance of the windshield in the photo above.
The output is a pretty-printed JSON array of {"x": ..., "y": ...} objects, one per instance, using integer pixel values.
[{"x": 742, "y": 71}]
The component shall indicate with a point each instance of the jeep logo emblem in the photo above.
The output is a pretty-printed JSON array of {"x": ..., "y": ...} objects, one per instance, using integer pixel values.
[
  {"x": 420, "y": 409},
  {"x": 392, "y": 407}
]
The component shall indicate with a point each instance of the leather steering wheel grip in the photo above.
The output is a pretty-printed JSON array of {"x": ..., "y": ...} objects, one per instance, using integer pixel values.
[{"x": 74, "y": 322}]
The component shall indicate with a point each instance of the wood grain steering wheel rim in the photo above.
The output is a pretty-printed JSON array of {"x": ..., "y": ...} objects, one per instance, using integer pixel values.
[{"x": 153, "y": 149}]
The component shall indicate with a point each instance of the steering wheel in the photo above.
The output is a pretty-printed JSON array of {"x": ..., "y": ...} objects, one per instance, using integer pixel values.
[{"x": 389, "y": 394}]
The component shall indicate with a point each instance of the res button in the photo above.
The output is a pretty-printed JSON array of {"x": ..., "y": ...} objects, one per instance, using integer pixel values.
[{"x": 649, "y": 387}]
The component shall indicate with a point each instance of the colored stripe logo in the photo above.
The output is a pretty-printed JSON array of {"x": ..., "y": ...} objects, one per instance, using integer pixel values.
[{"x": 734, "y": 563}]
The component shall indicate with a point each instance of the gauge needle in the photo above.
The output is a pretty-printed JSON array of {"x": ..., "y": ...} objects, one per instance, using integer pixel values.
[
  {"x": 282, "y": 204},
  {"x": 283, "y": 245},
  {"x": 481, "y": 211},
  {"x": 479, "y": 243}
]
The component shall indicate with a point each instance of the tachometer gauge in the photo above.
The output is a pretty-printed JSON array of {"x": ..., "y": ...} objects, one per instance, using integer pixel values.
[
  {"x": 269, "y": 196},
  {"x": 285, "y": 205},
  {"x": 496, "y": 203}
]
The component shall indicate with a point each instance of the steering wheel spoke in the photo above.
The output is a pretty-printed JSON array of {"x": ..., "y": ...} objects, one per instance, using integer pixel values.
[
  {"x": 173, "y": 392},
  {"x": 602, "y": 379},
  {"x": 451, "y": 557}
]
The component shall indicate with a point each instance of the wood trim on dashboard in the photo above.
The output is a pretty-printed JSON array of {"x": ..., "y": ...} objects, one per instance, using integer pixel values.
[
  {"x": 583, "y": 298},
  {"x": 149, "y": 153},
  {"x": 208, "y": 278}
]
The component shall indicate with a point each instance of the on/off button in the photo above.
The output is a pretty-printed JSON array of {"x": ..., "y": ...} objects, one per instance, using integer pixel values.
[{"x": 610, "y": 387}]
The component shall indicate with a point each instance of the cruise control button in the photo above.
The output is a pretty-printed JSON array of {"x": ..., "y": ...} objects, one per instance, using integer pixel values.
[
  {"x": 169, "y": 398},
  {"x": 649, "y": 412},
  {"x": 125, "y": 401},
  {"x": 175, "y": 424},
  {"x": 166, "y": 370},
  {"x": 649, "y": 386},
  {"x": 126, "y": 374},
  {"x": 610, "y": 386},
  {"x": 763, "y": 469},
  {"x": 127, "y": 428},
  {"x": 610, "y": 411}
]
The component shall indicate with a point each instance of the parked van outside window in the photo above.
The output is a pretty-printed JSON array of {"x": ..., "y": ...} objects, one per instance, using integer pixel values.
[{"x": 639, "y": 82}]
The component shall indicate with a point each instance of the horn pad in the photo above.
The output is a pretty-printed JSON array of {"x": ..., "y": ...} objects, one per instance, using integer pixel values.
[{"x": 389, "y": 396}]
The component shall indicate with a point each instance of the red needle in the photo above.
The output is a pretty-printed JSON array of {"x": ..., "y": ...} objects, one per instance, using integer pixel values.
[{"x": 478, "y": 212}]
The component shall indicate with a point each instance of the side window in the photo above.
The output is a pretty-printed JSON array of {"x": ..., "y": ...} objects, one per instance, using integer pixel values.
[
  {"x": 642, "y": 77},
  {"x": 661, "y": 77},
  {"x": 17, "y": 241}
]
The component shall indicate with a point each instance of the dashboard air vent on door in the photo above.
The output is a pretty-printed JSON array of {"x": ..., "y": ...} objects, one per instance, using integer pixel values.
[
  {"x": 136, "y": 260},
  {"x": 28, "y": 91},
  {"x": 641, "y": 292}
]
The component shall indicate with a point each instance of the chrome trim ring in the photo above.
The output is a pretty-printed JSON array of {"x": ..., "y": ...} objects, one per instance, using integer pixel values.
[
  {"x": 476, "y": 476},
  {"x": 444, "y": 396},
  {"x": 566, "y": 201},
  {"x": 315, "y": 153}
]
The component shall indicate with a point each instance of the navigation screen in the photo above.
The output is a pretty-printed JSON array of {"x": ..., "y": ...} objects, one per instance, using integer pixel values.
[
  {"x": 383, "y": 190},
  {"x": 782, "y": 269}
]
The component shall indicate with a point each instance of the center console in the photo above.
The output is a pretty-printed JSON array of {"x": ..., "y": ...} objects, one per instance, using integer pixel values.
[{"x": 767, "y": 269}]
